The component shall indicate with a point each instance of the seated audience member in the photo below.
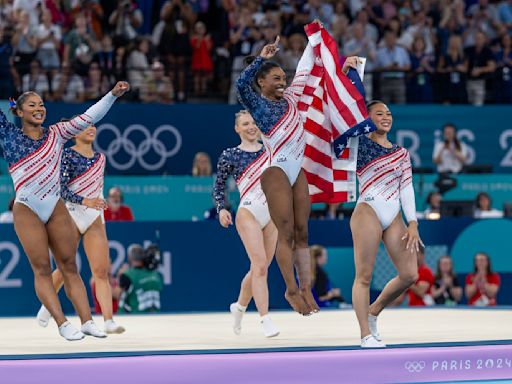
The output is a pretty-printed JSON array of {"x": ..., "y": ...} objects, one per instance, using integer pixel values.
[
  {"x": 140, "y": 282},
  {"x": 324, "y": 294},
  {"x": 433, "y": 210},
  {"x": 451, "y": 154},
  {"x": 202, "y": 165},
  {"x": 420, "y": 292},
  {"x": 116, "y": 210},
  {"x": 6, "y": 217},
  {"x": 483, "y": 284},
  {"x": 447, "y": 289},
  {"x": 483, "y": 207}
]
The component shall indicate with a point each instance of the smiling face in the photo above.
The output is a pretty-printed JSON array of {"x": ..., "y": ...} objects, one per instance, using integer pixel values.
[
  {"x": 273, "y": 84},
  {"x": 381, "y": 116},
  {"x": 246, "y": 127},
  {"x": 481, "y": 263},
  {"x": 87, "y": 136},
  {"x": 32, "y": 110}
]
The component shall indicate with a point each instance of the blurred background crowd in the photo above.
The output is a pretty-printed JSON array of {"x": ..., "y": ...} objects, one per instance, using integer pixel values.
[{"x": 418, "y": 51}]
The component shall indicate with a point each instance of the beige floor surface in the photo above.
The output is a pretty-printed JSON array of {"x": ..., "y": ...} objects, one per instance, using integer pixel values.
[{"x": 21, "y": 336}]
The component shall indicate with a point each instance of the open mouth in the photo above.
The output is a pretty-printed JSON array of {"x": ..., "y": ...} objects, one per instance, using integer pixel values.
[
  {"x": 386, "y": 124},
  {"x": 38, "y": 116}
]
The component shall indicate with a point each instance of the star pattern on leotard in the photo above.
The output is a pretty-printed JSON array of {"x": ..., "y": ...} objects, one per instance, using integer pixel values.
[
  {"x": 232, "y": 162},
  {"x": 73, "y": 165},
  {"x": 369, "y": 150}
]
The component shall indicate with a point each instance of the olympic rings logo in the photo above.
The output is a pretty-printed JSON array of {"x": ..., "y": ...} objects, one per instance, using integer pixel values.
[
  {"x": 415, "y": 366},
  {"x": 137, "y": 151}
]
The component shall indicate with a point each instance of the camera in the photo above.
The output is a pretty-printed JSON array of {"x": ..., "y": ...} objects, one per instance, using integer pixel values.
[
  {"x": 152, "y": 257},
  {"x": 127, "y": 4}
]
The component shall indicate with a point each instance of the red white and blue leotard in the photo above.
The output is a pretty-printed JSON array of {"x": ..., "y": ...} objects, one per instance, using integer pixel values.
[
  {"x": 82, "y": 177},
  {"x": 279, "y": 121},
  {"x": 246, "y": 168},
  {"x": 385, "y": 180},
  {"x": 34, "y": 165}
]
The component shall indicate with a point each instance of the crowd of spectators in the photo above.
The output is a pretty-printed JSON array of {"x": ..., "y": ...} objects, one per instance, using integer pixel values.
[{"x": 418, "y": 51}]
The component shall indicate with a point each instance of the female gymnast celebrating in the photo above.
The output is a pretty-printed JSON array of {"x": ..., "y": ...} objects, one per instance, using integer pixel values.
[
  {"x": 257, "y": 231},
  {"x": 41, "y": 219},
  {"x": 82, "y": 171},
  {"x": 276, "y": 114},
  {"x": 385, "y": 184}
]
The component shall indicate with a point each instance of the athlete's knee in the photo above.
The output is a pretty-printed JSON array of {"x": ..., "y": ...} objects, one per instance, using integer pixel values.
[
  {"x": 409, "y": 277},
  {"x": 100, "y": 272},
  {"x": 258, "y": 270},
  {"x": 363, "y": 278},
  {"x": 301, "y": 235},
  {"x": 68, "y": 266},
  {"x": 42, "y": 270}
]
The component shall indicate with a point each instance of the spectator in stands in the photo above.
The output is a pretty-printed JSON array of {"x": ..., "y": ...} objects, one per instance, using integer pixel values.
[
  {"x": 157, "y": 88},
  {"x": 49, "y": 37},
  {"x": 503, "y": 85},
  {"x": 420, "y": 293},
  {"x": 68, "y": 86},
  {"x": 120, "y": 58},
  {"x": 419, "y": 87},
  {"x": 483, "y": 284},
  {"x": 79, "y": 47},
  {"x": 422, "y": 27},
  {"x": 30, "y": 7},
  {"x": 6, "y": 13},
  {"x": 6, "y": 217},
  {"x": 140, "y": 286},
  {"x": 137, "y": 64},
  {"x": 446, "y": 289},
  {"x": 174, "y": 43},
  {"x": 452, "y": 24},
  {"x": 116, "y": 210},
  {"x": 36, "y": 80},
  {"x": 392, "y": 61},
  {"x": 453, "y": 67},
  {"x": 433, "y": 210},
  {"x": 96, "y": 85},
  {"x": 484, "y": 209},
  {"x": 325, "y": 295},
  {"x": 202, "y": 63},
  {"x": 289, "y": 59},
  {"x": 125, "y": 20},
  {"x": 24, "y": 43},
  {"x": 202, "y": 165},
  {"x": 362, "y": 46},
  {"x": 93, "y": 13},
  {"x": 8, "y": 73},
  {"x": 480, "y": 65},
  {"x": 105, "y": 57},
  {"x": 450, "y": 155}
]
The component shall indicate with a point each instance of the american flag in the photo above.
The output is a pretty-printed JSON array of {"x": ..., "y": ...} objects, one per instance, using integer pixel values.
[{"x": 333, "y": 110}]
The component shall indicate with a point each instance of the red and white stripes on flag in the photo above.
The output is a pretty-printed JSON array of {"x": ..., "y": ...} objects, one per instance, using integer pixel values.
[{"x": 330, "y": 106}]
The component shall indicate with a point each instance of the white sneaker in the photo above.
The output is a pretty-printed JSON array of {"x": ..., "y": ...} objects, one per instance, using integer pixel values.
[
  {"x": 112, "y": 327},
  {"x": 69, "y": 332},
  {"x": 372, "y": 323},
  {"x": 269, "y": 329},
  {"x": 43, "y": 316},
  {"x": 238, "y": 314},
  {"x": 90, "y": 328},
  {"x": 370, "y": 342}
]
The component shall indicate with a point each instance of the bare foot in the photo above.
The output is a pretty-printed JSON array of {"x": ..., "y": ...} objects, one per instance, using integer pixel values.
[
  {"x": 296, "y": 301},
  {"x": 309, "y": 299}
]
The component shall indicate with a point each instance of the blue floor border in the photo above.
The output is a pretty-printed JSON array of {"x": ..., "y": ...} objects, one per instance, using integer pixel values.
[{"x": 88, "y": 355}]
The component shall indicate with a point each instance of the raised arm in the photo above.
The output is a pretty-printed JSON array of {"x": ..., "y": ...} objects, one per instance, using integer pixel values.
[
  {"x": 5, "y": 125},
  {"x": 249, "y": 98},
  {"x": 69, "y": 129}
]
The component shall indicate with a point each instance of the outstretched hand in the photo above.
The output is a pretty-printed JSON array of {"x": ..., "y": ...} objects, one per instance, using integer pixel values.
[
  {"x": 120, "y": 88},
  {"x": 270, "y": 50}
]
